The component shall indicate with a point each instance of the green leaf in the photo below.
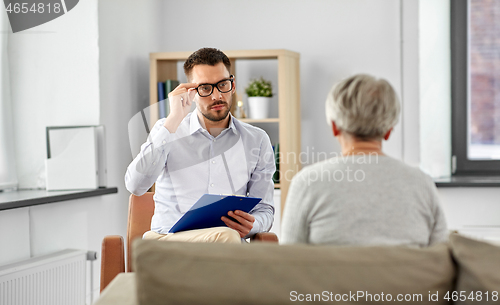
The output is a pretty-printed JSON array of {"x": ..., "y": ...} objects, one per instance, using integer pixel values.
[{"x": 259, "y": 87}]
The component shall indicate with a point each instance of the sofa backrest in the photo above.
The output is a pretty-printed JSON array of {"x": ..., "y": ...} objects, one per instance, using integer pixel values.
[
  {"x": 188, "y": 273},
  {"x": 478, "y": 274}
]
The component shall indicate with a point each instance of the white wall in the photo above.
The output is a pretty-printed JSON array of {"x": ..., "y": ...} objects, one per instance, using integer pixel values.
[
  {"x": 473, "y": 211},
  {"x": 435, "y": 87},
  {"x": 334, "y": 38},
  {"x": 89, "y": 66},
  {"x": 54, "y": 82},
  {"x": 410, "y": 122}
]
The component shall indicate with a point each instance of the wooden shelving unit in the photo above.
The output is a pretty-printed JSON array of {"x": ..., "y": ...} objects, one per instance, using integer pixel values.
[{"x": 163, "y": 66}]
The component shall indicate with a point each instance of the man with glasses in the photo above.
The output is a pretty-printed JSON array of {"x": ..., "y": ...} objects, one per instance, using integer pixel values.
[{"x": 189, "y": 154}]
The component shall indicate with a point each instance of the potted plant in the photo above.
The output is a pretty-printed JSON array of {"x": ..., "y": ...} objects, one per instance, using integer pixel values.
[{"x": 259, "y": 93}]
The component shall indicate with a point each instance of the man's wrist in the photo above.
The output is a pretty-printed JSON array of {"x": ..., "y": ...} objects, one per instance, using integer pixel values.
[{"x": 172, "y": 123}]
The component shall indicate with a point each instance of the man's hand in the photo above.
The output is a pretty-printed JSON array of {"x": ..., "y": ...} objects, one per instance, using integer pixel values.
[
  {"x": 245, "y": 222},
  {"x": 180, "y": 100}
]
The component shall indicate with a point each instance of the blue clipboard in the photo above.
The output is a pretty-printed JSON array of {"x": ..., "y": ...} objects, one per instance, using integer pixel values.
[{"x": 208, "y": 210}]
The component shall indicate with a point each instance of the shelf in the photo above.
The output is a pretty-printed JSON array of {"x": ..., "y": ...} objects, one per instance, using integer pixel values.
[
  {"x": 468, "y": 181},
  {"x": 272, "y": 120},
  {"x": 26, "y": 198}
]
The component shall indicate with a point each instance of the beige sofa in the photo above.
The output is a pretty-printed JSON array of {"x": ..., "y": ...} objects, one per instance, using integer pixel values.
[{"x": 184, "y": 273}]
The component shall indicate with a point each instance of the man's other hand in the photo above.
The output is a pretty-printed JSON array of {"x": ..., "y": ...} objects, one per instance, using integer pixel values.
[{"x": 244, "y": 224}]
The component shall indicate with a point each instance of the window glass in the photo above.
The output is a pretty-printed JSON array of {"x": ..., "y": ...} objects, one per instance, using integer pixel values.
[{"x": 484, "y": 80}]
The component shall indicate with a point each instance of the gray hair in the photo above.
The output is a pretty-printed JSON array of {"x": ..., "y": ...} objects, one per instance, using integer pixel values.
[{"x": 363, "y": 106}]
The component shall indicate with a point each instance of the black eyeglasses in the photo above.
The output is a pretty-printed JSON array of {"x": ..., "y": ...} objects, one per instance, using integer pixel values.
[{"x": 223, "y": 86}]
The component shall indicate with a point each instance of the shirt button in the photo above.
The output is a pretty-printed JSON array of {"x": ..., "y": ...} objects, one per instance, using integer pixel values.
[
  {"x": 214, "y": 140},
  {"x": 154, "y": 163},
  {"x": 212, "y": 185},
  {"x": 213, "y": 161},
  {"x": 164, "y": 142}
]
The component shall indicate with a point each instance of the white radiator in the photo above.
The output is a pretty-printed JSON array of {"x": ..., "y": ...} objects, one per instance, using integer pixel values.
[{"x": 54, "y": 279}]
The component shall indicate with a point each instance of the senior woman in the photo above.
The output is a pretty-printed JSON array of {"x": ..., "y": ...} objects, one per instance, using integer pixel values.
[{"x": 362, "y": 197}]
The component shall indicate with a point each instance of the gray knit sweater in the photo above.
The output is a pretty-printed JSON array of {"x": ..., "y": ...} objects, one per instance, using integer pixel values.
[{"x": 363, "y": 200}]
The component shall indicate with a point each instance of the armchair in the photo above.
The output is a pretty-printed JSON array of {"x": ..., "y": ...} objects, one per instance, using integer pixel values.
[{"x": 140, "y": 211}]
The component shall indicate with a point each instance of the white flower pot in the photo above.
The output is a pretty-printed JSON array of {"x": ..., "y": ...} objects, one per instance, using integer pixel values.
[{"x": 259, "y": 107}]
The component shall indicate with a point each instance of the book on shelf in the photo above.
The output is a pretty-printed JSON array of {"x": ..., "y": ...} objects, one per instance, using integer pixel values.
[
  {"x": 276, "y": 176},
  {"x": 170, "y": 84},
  {"x": 161, "y": 98},
  {"x": 164, "y": 88}
]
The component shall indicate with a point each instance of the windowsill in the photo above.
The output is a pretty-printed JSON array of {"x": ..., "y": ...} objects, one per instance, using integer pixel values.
[
  {"x": 468, "y": 181},
  {"x": 26, "y": 198}
]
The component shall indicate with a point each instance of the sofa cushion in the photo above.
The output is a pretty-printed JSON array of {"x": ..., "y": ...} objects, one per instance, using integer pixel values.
[
  {"x": 120, "y": 291},
  {"x": 258, "y": 273},
  {"x": 478, "y": 270}
]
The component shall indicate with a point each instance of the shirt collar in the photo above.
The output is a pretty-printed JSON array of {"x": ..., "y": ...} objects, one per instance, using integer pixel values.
[
  {"x": 194, "y": 124},
  {"x": 231, "y": 124}
]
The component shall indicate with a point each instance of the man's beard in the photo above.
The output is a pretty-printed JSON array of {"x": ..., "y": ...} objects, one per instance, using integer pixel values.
[{"x": 217, "y": 117}]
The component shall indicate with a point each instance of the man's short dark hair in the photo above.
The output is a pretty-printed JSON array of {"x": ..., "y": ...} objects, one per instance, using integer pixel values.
[{"x": 206, "y": 56}]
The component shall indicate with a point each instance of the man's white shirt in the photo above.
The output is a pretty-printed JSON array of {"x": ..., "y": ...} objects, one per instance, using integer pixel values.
[{"x": 191, "y": 162}]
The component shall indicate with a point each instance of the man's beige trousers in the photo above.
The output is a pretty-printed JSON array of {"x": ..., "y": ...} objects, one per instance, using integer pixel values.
[{"x": 210, "y": 235}]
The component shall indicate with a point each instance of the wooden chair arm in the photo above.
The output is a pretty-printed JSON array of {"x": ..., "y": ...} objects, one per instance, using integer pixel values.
[
  {"x": 112, "y": 259},
  {"x": 265, "y": 237}
]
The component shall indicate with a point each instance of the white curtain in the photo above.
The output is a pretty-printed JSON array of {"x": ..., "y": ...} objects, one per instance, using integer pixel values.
[{"x": 8, "y": 175}]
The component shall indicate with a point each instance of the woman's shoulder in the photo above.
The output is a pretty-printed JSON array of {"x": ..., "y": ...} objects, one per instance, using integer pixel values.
[{"x": 404, "y": 170}]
